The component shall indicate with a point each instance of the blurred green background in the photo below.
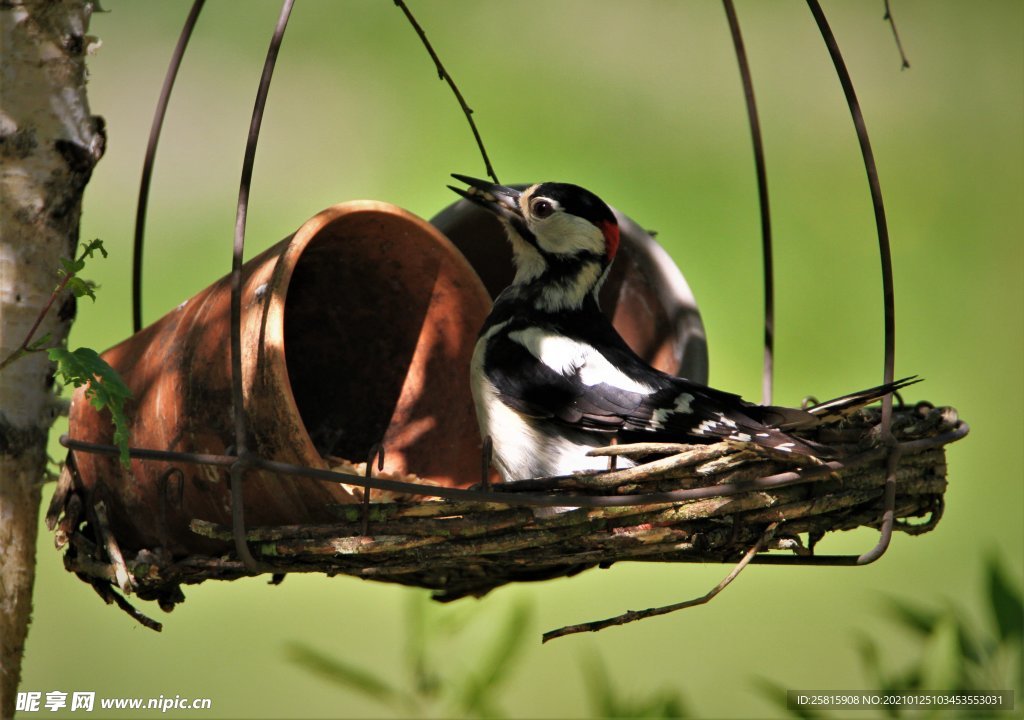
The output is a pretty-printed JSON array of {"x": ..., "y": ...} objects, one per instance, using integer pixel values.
[{"x": 641, "y": 102}]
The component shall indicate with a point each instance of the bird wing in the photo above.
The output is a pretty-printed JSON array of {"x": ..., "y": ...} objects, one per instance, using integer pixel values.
[{"x": 545, "y": 373}]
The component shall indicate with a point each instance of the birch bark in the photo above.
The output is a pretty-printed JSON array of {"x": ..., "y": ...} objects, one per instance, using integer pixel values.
[{"x": 49, "y": 144}]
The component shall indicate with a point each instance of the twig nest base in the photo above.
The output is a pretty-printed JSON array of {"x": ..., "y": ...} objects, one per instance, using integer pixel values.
[{"x": 703, "y": 503}]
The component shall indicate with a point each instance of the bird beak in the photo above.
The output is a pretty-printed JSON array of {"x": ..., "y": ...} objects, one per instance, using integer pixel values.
[{"x": 501, "y": 200}]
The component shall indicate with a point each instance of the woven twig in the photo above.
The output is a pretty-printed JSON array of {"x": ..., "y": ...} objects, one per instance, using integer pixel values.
[{"x": 468, "y": 548}]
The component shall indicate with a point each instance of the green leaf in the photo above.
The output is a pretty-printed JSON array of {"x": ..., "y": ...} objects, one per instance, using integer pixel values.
[
  {"x": 606, "y": 702},
  {"x": 105, "y": 388},
  {"x": 82, "y": 288},
  {"x": 599, "y": 686},
  {"x": 778, "y": 694},
  {"x": 921, "y": 621},
  {"x": 479, "y": 688},
  {"x": 93, "y": 246},
  {"x": 423, "y": 672},
  {"x": 70, "y": 267},
  {"x": 345, "y": 675},
  {"x": 1005, "y": 603},
  {"x": 942, "y": 663},
  {"x": 924, "y": 622}
]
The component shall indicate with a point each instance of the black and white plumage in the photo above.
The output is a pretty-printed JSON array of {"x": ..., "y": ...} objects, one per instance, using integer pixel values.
[{"x": 552, "y": 379}]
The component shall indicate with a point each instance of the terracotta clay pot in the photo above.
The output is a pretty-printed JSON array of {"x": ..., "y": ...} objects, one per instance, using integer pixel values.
[
  {"x": 646, "y": 296},
  {"x": 357, "y": 329}
]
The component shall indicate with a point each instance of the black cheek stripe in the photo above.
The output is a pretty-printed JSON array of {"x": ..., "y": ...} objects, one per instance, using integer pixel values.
[{"x": 524, "y": 232}]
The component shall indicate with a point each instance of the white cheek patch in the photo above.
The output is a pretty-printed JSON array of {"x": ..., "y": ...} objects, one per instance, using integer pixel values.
[
  {"x": 528, "y": 261},
  {"x": 568, "y": 357},
  {"x": 567, "y": 234}
]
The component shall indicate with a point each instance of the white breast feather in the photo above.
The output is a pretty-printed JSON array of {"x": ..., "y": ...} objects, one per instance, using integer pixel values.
[{"x": 523, "y": 448}]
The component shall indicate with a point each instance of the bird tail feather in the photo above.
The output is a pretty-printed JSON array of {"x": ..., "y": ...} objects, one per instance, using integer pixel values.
[{"x": 841, "y": 407}]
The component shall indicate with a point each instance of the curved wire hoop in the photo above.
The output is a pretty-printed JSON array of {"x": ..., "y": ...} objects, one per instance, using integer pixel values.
[{"x": 147, "y": 164}]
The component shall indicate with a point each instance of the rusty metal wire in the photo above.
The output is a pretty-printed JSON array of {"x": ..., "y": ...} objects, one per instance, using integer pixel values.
[
  {"x": 244, "y": 458},
  {"x": 766, "y": 237},
  {"x": 514, "y": 494},
  {"x": 884, "y": 249},
  {"x": 767, "y": 374},
  {"x": 885, "y": 254},
  {"x": 147, "y": 164}
]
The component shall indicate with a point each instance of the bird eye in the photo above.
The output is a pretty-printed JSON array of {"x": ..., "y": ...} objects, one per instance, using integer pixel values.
[{"x": 542, "y": 209}]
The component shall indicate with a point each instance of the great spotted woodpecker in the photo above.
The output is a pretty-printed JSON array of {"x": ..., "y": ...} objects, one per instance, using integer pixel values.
[{"x": 552, "y": 379}]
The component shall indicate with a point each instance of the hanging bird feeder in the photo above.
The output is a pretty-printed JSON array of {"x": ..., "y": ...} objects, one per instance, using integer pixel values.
[{"x": 310, "y": 412}]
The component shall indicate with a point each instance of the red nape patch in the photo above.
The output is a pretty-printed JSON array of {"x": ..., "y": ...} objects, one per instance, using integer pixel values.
[{"x": 611, "y": 238}]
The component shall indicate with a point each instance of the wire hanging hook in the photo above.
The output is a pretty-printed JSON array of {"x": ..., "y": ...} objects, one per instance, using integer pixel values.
[{"x": 885, "y": 253}]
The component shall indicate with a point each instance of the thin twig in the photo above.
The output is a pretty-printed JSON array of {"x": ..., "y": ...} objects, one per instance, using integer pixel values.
[
  {"x": 648, "y": 448},
  {"x": 634, "y": 615},
  {"x": 444, "y": 75},
  {"x": 25, "y": 346},
  {"x": 113, "y": 549},
  {"x": 905, "y": 64},
  {"x": 111, "y": 596}
]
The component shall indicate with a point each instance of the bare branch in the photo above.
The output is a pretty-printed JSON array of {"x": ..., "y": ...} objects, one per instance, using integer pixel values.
[
  {"x": 905, "y": 63},
  {"x": 634, "y": 615},
  {"x": 444, "y": 75}
]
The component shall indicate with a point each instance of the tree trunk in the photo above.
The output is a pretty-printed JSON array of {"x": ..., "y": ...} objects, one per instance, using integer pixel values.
[{"x": 49, "y": 144}]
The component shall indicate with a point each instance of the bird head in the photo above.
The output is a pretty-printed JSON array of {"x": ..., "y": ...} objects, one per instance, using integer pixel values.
[{"x": 564, "y": 237}]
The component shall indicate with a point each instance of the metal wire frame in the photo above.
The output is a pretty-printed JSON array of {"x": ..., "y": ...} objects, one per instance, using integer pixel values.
[
  {"x": 243, "y": 459},
  {"x": 885, "y": 253},
  {"x": 147, "y": 164},
  {"x": 507, "y": 493},
  {"x": 767, "y": 373}
]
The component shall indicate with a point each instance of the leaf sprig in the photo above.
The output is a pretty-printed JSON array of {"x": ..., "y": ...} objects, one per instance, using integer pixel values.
[
  {"x": 83, "y": 366},
  {"x": 105, "y": 388},
  {"x": 69, "y": 270}
]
